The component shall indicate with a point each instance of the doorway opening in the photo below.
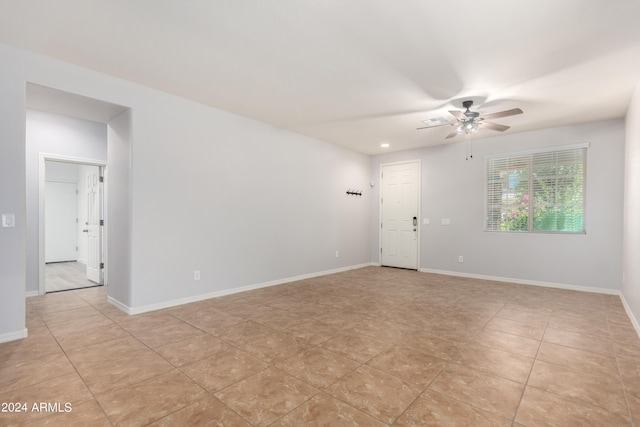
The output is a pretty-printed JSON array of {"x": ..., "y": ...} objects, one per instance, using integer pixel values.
[
  {"x": 72, "y": 235},
  {"x": 71, "y": 128}
]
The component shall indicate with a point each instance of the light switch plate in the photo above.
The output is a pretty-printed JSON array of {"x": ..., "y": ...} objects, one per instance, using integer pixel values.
[
  {"x": 425, "y": 221},
  {"x": 446, "y": 221},
  {"x": 8, "y": 220}
]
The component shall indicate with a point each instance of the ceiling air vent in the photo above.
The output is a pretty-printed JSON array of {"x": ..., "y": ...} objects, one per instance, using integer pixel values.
[{"x": 436, "y": 121}]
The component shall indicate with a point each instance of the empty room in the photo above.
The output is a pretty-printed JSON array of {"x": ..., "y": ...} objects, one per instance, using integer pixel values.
[{"x": 296, "y": 213}]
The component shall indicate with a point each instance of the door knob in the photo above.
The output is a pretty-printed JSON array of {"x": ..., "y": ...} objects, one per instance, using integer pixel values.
[{"x": 85, "y": 231}]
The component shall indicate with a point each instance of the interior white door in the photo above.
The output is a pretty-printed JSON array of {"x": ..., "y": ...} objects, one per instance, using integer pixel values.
[
  {"x": 399, "y": 208},
  {"x": 60, "y": 221},
  {"x": 93, "y": 228}
]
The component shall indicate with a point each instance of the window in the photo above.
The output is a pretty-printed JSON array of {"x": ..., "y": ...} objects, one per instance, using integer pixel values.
[{"x": 537, "y": 191}]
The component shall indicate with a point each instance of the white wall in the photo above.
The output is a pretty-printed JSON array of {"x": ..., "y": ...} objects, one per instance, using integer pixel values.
[
  {"x": 62, "y": 136},
  {"x": 242, "y": 202},
  {"x": 631, "y": 244},
  {"x": 454, "y": 188},
  {"x": 62, "y": 231},
  {"x": 12, "y": 200},
  {"x": 61, "y": 172},
  {"x": 199, "y": 188},
  {"x": 118, "y": 214}
]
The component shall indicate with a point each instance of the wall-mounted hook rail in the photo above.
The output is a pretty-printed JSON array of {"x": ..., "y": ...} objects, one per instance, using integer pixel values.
[{"x": 354, "y": 192}]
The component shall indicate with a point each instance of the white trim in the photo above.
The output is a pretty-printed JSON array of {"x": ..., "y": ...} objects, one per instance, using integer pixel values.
[
  {"x": 538, "y": 150},
  {"x": 196, "y": 298},
  {"x": 75, "y": 160},
  {"x": 525, "y": 282},
  {"x": 633, "y": 319},
  {"x": 12, "y": 336},
  {"x": 30, "y": 294},
  {"x": 419, "y": 214},
  {"x": 42, "y": 158},
  {"x": 111, "y": 300}
]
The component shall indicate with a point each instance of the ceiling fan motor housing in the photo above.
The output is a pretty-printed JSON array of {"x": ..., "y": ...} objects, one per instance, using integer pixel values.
[{"x": 469, "y": 114}]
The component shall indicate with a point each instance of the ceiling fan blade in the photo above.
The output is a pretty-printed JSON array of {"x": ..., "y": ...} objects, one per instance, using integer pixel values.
[
  {"x": 452, "y": 134},
  {"x": 500, "y": 114},
  {"x": 493, "y": 126},
  {"x": 434, "y": 126},
  {"x": 457, "y": 114}
]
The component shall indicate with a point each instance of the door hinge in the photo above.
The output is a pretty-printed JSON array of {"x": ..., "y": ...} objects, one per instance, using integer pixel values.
[
  {"x": 102, "y": 265},
  {"x": 380, "y": 225},
  {"x": 102, "y": 222},
  {"x": 380, "y": 250},
  {"x": 76, "y": 249},
  {"x": 381, "y": 199},
  {"x": 101, "y": 179}
]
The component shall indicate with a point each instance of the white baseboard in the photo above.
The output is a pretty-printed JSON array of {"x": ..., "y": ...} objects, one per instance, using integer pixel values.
[
  {"x": 524, "y": 282},
  {"x": 31, "y": 294},
  {"x": 12, "y": 336},
  {"x": 196, "y": 298},
  {"x": 119, "y": 305},
  {"x": 633, "y": 319}
]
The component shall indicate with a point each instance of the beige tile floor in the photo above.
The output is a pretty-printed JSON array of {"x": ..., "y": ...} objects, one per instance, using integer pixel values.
[{"x": 372, "y": 347}]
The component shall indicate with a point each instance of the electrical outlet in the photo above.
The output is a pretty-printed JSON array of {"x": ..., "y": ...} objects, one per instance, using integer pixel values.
[
  {"x": 8, "y": 220},
  {"x": 196, "y": 275},
  {"x": 460, "y": 259},
  {"x": 337, "y": 254}
]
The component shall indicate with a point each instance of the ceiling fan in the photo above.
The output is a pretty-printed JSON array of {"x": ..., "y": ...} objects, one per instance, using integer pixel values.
[{"x": 468, "y": 122}]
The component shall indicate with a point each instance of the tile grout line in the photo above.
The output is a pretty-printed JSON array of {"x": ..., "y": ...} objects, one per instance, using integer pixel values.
[
  {"x": 80, "y": 376},
  {"x": 622, "y": 382},
  {"x": 418, "y": 396},
  {"x": 526, "y": 384}
]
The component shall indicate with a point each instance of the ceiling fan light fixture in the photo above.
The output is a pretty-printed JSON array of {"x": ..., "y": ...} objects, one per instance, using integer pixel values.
[{"x": 468, "y": 127}]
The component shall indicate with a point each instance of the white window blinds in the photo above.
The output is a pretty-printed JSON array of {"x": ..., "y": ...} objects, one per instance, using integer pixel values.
[{"x": 538, "y": 191}]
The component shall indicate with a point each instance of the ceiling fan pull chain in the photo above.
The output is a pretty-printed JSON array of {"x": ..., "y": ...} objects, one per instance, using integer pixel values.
[{"x": 469, "y": 148}]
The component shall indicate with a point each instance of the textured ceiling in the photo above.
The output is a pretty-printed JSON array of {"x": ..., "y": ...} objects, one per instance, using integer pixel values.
[{"x": 356, "y": 73}]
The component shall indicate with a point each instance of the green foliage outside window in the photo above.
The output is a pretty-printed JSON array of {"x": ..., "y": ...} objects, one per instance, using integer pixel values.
[{"x": 542, "y": 193}]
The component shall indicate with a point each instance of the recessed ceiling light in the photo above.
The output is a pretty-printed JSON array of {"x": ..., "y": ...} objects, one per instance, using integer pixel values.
[{"x": 384, "y": 145}]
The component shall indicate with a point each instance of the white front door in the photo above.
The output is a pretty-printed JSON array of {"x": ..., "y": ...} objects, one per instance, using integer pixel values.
[
  {"x": 399, "y": 215},
  {"x": 93, "y": 228},
  {"x": 60, "y": 221}
]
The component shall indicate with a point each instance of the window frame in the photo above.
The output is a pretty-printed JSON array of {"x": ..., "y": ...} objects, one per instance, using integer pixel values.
[{"x": 530, "y": 154}]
